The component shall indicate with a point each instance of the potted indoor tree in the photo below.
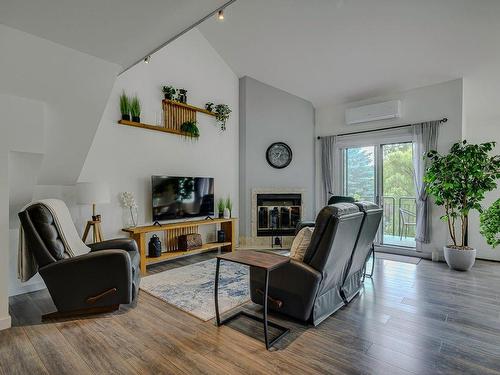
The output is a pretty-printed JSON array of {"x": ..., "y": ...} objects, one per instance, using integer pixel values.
[
  {"x": 458, "y": 181},
  {"x": 490, "y": 224}
]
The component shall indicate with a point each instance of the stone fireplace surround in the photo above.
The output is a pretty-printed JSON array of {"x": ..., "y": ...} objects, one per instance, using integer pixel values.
[{"x": 254, "y": 241}]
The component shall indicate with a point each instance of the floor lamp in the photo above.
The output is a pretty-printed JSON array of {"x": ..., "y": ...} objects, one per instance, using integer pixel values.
[{"x": 93, "y": 193}]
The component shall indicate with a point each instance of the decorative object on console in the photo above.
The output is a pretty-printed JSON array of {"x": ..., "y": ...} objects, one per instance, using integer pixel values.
[
  {"x": 279, "y": 155},
  {"x": 209, "y": 106},
  {"x": 221, "y": 205},
  {"x": 125, "y": 106},
  {"x": 221, "y": 236},
  {"x": 190, "y": 129},
  {"x": 128, "y": 201},
  {"x": 458, "y": 181},
  {"x": 182, "y": 96},
  {"x": 154, "y": 247},
  {"x": 189, "y": 241},
  {"x": 222, "y": 112},
  {"x": 93, "y": 193},
  {"x": 490, "y": 224},
  {"x": 229, "y": 207},
  {"x": 169, "y": 92},
  {"x": 135, "y": 109}
]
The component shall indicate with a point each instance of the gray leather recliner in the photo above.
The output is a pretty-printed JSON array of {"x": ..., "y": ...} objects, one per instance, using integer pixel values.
[
  {"x": 311, "y": 290},
  {"x": 100, "y": 280}
]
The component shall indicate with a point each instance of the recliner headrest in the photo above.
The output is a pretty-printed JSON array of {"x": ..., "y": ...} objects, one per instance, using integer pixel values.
[{"x": 367, "y": 206}]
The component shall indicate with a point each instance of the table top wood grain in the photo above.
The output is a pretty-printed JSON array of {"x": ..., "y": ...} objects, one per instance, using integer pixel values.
[{"x": 255, "y": 258}]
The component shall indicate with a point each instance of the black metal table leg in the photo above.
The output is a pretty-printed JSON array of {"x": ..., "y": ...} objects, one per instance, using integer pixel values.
[
  {"x": 266, "y": 287},
  {"x": 216, "y": 293}
]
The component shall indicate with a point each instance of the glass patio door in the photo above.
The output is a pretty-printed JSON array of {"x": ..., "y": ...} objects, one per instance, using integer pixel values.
[{"x": 383, "y": 174}]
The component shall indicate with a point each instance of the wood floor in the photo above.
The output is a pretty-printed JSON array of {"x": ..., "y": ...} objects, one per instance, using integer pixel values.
[{"x": 419, "y": 319}]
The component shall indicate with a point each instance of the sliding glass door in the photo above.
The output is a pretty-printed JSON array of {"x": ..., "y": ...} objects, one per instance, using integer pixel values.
[{"x": 383, "y": 173}]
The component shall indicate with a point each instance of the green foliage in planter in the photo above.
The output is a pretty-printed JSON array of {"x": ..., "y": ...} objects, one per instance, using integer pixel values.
[
  {"x": 221, "y": 205},
  {"x": 191, "y": 129},
  {"x": 459, "y": 180},
  {"x": 135, "y": 107},
  {"x": 124, "y": 104},
  {"x": 490, "y": 224},
  {"x": 169, "y": 91},
  {"x": 209, "y": 106},
  {"x": 222, "y": 112},
  {"x": 229, "y": 205}
]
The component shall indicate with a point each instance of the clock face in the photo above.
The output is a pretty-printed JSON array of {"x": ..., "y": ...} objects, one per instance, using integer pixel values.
[{"x": 279, "y": 155}]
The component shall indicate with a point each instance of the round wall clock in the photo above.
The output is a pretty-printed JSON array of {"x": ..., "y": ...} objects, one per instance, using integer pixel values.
[{"x": 279, "y": 155}]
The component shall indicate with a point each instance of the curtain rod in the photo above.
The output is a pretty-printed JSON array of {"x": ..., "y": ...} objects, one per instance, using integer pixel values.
[{"x": 443, "y": 120}]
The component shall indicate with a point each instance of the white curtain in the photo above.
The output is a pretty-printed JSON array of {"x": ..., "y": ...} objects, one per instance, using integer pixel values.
[
  {"x": 425, "y": 137},
  {"x": 327, "y": 165}
]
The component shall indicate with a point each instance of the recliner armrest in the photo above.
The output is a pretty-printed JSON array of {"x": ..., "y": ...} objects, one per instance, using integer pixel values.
[
  {"x": 72, "y": 281},
  {"x": 127, "y": 244},
  {"x": 304, "y": 224}
]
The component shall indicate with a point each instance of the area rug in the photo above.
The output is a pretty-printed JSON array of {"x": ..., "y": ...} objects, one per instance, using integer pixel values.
[
  {"x": 398, "y": 258},
  {"x": 191, "y": 288}
]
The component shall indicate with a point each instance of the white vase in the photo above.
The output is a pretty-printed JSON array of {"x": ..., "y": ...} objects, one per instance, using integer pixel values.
[{"x": 227, "y": 213}]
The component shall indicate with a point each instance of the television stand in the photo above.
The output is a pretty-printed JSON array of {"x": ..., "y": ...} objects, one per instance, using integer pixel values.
[{"x": 173, "y": 230}]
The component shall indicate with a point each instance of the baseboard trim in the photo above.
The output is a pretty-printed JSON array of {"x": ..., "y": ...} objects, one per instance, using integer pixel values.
[{"x": 5, "y": 323}]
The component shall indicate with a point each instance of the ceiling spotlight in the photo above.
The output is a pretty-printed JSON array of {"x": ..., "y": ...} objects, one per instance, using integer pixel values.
[
  {"x": 220, "y": 15},
  {"x": 147, "y": 59}
]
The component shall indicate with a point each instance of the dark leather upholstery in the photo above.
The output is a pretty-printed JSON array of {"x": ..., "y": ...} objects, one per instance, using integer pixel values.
[
  {"x": 71, "y": 280},
  {"x": 311, "y": 290},
  {"x": 371, "y": 221},
  {"x": 334, "y": 199}
]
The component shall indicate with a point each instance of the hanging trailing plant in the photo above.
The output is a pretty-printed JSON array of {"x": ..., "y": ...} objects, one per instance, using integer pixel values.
[
  {"x": 190, "y": 129},
  {"x": 222, "y": 112},
  {"x": 490, "y": 224}
]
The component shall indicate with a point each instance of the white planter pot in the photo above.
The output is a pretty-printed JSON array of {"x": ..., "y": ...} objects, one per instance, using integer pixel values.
[
  {"x": 227, "y": 213},
  {"x": 459, "y": 259}
]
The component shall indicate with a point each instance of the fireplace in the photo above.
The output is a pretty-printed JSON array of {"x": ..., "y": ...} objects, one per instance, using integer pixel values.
[{"x": 278, "y": 213}]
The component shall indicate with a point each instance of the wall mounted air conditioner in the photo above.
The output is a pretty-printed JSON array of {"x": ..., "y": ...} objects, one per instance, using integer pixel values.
[{"x": 373, "y": 112}]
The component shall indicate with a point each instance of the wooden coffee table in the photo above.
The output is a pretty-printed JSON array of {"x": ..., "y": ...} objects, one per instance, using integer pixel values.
[{"x": 266, "y": 261}]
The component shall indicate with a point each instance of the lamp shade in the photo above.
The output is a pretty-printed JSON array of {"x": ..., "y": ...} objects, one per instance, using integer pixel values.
[{"x": 92, "y": 193}]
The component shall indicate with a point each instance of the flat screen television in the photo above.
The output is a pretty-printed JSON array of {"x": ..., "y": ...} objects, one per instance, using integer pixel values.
[{"x": 182, "y": 197}]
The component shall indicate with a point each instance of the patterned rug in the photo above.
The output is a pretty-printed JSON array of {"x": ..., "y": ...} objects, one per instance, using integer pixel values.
[{"x": 191, "y": 288}]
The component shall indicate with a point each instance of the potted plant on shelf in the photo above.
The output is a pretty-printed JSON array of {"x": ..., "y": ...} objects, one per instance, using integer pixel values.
[
  {"x": 490, "y": 224},
  {"x": 182, "y": 96},
  {"x": 221, "y": 206},
  {"x": 135, "y": 109},
  {"x": 209, "y": 106},
  {"x": 458, "y": 181},
  {"x": 222, "y": 112},
  {"x": 169, "y": 92},
  {"x": 229, "y": 208},
  {"x": 125, "y": 106},
  {"x": 190, "y": 128}
]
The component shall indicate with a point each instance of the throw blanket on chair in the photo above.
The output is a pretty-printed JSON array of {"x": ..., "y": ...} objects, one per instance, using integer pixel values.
[{"x": 73, "y": 245}]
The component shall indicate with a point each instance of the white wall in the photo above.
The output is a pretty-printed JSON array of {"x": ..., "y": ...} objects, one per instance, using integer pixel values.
[
  {"x": 418, "y": 105},
  {"x": 482, "y": 124},
  {"x": 127, "y": 157},
  {"x": 272, "y": 115}
]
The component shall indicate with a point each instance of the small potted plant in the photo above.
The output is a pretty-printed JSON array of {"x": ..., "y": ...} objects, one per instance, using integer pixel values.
[
  {"x": 182, "y": 96},
  {"x": 125, "y": 106},
  {"x": 135, "y": 109},
  {"x": 228, "y": 211},
  {"x": 222, "y": 112},
  {"x": 490, "y": 224},
  {"x": 209, "y": 106},
  {"x": 169, "y": 92},
  {"x": 458, "y": 181},
  {"x": 221, "y": 205},
  {"x": 190, "y": 129}
]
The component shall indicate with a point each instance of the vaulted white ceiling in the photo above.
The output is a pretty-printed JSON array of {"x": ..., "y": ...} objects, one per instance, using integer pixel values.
[
  {"x": 343, "y": 50},
  {"x": 118, "y": 31}
]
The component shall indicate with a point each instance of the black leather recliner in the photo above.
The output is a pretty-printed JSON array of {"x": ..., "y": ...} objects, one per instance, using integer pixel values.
[
  {"x": 311, "y": 290},
  {"x": 98, "y": 281}
]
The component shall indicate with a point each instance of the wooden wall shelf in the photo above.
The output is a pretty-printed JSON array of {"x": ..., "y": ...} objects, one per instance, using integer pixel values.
[
  {"x": 174, "y": 115},
  {"x": 172, "y": 231}
]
